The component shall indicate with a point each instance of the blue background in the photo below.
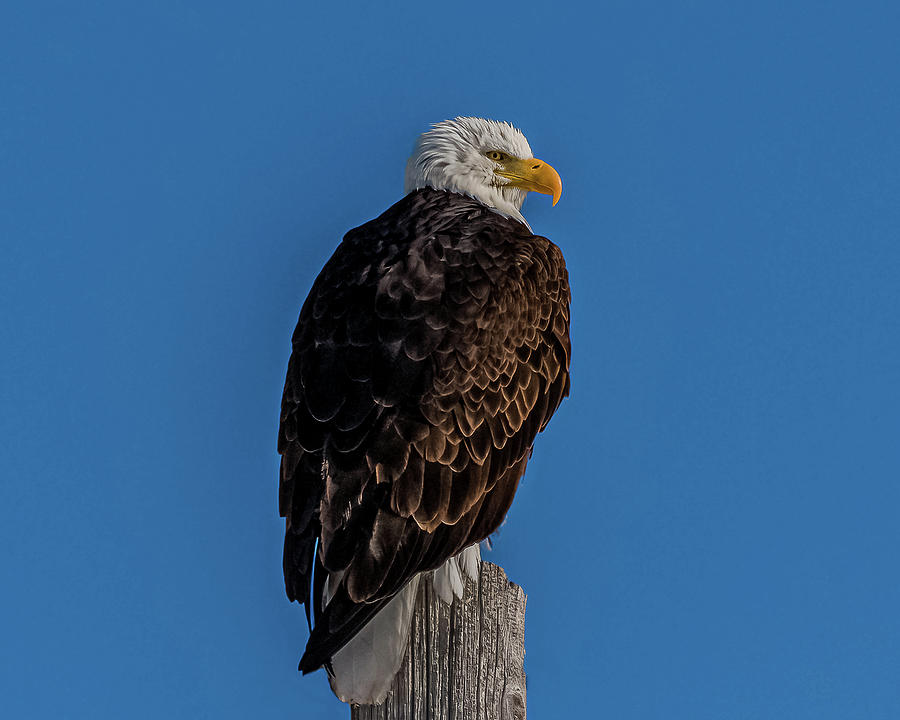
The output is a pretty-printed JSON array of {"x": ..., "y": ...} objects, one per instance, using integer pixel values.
[{"x": 708, "y": 529}]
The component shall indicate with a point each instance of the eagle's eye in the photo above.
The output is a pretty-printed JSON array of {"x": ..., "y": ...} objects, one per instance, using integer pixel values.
[{"x": 497, "y": 156}]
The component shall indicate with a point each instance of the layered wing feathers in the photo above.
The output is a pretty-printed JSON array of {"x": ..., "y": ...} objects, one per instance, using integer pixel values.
[{"x": 432, "y": 349}]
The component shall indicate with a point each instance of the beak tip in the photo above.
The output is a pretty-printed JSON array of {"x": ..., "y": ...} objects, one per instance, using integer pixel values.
[{"x": 557, "y": 192}]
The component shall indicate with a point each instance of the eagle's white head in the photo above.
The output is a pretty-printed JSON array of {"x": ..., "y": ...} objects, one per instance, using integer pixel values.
[{"x": 489, "y": 160}]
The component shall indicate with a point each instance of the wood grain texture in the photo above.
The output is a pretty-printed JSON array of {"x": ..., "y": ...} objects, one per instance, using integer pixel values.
[{"x": 465, "y": 661}]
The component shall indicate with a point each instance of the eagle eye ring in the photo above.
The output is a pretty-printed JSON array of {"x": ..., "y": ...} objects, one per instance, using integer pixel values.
[{"x": 497, "y": 156}]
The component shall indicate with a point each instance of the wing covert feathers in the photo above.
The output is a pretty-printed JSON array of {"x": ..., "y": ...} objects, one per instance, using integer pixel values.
[{"x": 432, "y": 349}]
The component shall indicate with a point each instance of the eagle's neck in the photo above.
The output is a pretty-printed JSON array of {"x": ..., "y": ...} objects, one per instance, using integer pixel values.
[
  {"x": 466, "y": 175},
  {"x": 497, "y": 203}
]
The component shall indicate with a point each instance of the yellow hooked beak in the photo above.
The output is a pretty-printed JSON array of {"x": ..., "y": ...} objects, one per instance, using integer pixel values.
[{"x": 531, "y": 174}]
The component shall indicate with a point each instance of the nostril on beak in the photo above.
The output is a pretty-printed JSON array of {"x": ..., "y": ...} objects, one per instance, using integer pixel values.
[{"x": 535, "y": 167}]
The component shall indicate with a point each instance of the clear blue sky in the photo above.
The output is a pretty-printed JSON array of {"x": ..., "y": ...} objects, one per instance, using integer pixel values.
[{"x": 708, "y": 529}]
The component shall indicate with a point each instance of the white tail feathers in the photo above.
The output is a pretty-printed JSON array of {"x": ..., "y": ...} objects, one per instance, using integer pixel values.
[
  {"x": 365, "y": 667},
  {"x": 448, "y": 581}
]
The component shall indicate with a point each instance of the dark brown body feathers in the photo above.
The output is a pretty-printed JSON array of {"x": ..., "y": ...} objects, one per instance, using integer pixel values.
[{"x": 432, "y": 349}]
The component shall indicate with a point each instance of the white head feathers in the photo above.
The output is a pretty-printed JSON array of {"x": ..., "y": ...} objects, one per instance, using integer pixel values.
[{"x": 451, "y": 156}]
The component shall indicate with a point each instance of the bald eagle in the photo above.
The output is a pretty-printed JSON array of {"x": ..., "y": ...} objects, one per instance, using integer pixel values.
[{"x": 431, "y": 350}]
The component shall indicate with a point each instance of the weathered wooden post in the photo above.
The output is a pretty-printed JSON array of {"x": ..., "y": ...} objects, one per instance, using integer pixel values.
[{"x": 464, "y": 661}]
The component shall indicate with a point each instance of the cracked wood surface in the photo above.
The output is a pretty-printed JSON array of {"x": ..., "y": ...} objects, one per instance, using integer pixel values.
[{"x": 464, "y": 661}]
